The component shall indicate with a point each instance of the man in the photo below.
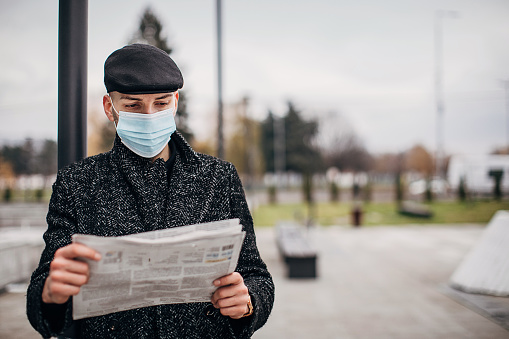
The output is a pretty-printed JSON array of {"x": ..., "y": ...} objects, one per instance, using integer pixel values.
[{"x": 151, "y": 179}]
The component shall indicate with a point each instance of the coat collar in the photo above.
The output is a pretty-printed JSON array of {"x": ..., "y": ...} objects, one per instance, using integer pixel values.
[
  {"x": 150, "y": 182},
  {"x": 187, "y": 155},
  {"x": 142, "y": 172}
]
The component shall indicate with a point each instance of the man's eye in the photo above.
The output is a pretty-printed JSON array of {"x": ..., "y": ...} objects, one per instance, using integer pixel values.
[
  {"x": 131, "y": 105},
  {"x": 162, "y": 103}
]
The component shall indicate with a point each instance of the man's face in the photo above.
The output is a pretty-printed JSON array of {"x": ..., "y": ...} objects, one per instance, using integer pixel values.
[{"x": 138, "y": 103}]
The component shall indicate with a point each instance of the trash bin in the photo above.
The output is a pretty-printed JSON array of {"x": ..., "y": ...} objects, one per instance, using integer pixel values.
[{"x": 357, "y": 215}]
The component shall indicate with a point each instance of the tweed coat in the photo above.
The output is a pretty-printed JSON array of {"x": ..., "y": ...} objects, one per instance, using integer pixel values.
[{"x": 119, "y": 193}]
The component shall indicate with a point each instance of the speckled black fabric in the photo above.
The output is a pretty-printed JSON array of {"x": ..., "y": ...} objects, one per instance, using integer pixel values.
[{"x": 118, "y": 193}]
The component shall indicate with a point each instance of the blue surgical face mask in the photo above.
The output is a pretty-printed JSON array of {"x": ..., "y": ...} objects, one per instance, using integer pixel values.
[{"x": 146, "y": 134}]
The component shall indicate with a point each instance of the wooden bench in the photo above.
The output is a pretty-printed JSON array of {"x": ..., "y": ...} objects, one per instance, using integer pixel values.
[
  {"x": 413, "y": 209},
  {"x": 299, "y": 256}
]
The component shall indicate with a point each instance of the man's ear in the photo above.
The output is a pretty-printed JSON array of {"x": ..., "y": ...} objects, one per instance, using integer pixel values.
[
  {"x": 176, "y": 103},
  {"x": 108, "y": 107}
]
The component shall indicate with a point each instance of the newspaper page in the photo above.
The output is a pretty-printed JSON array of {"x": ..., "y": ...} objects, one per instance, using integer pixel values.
[{"x": 176, "y": 265}]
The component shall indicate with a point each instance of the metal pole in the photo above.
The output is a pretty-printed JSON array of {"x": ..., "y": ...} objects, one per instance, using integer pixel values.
[
  {"x": 506, "y": 90},
  {"x": 439, "y": 89},
  {"x": 439, "y": 92},
  {"x": 220, "y": 146},
  {"x": 72, "y": 81}
]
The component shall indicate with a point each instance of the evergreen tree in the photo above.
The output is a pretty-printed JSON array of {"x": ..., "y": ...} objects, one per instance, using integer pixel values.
[
  {"x": 462, "y": 190},
  {"x": 150, "y": 31},
  {"x": 428, "y": 194},
  {"x": 334, "y": 191},
  {"x": 21, "y": 157},
  {"x": 497, "y": 176},
  {"x": 299, "y": 153},
  {"x": 399, "y": 188},
  {"x": 301, "y": 156},
  {"x": 47, "y": 158},
  {"x": 267, "y": 142}
]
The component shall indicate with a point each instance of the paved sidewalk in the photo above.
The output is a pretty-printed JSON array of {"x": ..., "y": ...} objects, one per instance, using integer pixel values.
[{"x": 377, "y": 282}]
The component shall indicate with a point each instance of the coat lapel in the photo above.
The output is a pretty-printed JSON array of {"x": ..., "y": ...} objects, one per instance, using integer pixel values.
[
  {"x": 184, "y": 194},
  {"x": 161, "y": 204},
  {"x": 148, "y": 182}
]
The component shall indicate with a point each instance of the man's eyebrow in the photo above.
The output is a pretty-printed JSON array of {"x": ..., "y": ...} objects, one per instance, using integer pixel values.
[
  {"x": 165, "y": 96},
  {"x": 126, "y": 97}
]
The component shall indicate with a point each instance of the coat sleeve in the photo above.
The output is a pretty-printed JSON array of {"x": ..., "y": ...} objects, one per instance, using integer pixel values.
[
  {"x": 252, "y": 268},
  {"x": 51, "y": 319}
]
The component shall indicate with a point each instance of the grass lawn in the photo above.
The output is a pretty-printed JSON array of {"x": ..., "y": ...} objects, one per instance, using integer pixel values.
[
  {"x": 26, "y": 196},
  {"x": 379, "y": 213}
]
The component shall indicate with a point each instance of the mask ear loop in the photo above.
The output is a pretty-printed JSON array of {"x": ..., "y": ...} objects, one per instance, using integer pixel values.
[
  {"x": 176, "y": 109},
  {"x": 116, "y": 112}
]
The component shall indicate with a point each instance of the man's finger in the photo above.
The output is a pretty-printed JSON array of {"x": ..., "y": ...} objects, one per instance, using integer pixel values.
[
  {"x": 69, "y": 278},
  {"x": 71, "y": 265},
  {"x": 230, "y": 279},
  {"x": 222, "y": 293},
  {"x": 78, "y": 250},
  {"x": 59, "y": 290},
  {"x": 232, "y": 301},
  {"x": 234, "y": 312},
  {"x": 230, "y": 291}
]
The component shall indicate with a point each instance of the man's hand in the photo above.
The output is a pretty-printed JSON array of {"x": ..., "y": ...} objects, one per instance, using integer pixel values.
[
  {"x": 67, "y": 275},
  {"x": 232, "y": 296}
]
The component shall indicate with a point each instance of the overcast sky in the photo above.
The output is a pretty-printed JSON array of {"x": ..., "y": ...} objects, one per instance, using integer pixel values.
[{"x": 368, "y": 64}]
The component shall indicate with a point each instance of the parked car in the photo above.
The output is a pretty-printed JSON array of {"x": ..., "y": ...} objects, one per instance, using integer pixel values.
[{"x": 438, "y": 186}]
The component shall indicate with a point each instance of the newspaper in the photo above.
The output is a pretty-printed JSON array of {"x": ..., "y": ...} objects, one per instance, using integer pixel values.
[{"x": 175, "y": 265}]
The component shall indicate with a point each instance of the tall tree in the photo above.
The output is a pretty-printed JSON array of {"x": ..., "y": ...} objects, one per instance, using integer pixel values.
[
  {"x": 6, "y": 171},
  {"x": 103, "y": 133},
  {"x": 348, "y": 153},
  {"x": 300, "y": 153},
  {"x": 21, "y": 157},
  {"x": 47, "y": 158},
  {"x": 150, "y": 31},
  {"x": 386, "y": 164},
  {"x": 420, "y": 160},
  {"x": 267, "y": 142},
  {"x": 243, "y": 143}
]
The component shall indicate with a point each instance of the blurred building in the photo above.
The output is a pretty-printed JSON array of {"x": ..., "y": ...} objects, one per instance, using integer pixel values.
[{"x": 475, "y": 171}]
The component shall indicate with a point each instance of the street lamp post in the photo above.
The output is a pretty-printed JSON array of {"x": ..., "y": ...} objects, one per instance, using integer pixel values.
[
  {"x": 72, "y": 81},
  {"x": 439, "y": 88},
  {"x": 506, "y": 92},
  {"x": 220, "y": 146}
]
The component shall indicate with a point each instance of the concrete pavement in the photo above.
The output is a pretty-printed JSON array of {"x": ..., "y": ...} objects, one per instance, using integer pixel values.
[{"x": 376, "y": 282}]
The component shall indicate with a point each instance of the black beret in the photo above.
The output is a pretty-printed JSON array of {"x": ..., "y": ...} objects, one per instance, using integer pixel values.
[{"x": 141, "y": 69}]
